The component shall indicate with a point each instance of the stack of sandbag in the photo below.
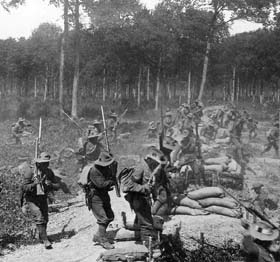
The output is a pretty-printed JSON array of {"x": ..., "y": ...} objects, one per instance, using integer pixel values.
[
  {"x": 135, "y": 252},
  {"x": 204, "y": 201}
]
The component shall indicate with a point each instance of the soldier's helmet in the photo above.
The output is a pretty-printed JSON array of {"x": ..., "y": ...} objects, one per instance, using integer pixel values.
[
  {"x": 113, "y": 115},
  {"x": 92, "y": 132},
  {"x": 154, "y": 155}
]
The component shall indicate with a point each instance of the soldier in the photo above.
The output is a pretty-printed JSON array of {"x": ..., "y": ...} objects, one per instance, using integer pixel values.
[
  {"x": 112, "y": 124},
  {"x": 35, "y": 189},
  {"x": 197, "y": 111},
  {"x": 135, "y": 184},
  {"x": 209, "y": 131},
  {"x": 89, "y": 147},
  {"x": 187, "y": 153},
  {"x": 102, "y": 178},
  {"x": 252, "y": 127},
  {"x": 17, "y": 129},
  {"x": 98, "y": 125},
  {"x": 235, "y": 137},
  {"x": 189, "y": 124},
  {"x": 167, "y": 122},
  {"x": 260, "y": 242},
  {"x": 261, "y": 196},
  {"x": 273, "y": 138},
  {"x": 152, "y": 131}
]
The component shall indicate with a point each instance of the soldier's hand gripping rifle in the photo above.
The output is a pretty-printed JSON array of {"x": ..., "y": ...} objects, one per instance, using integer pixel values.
[
  {"x": 251, "y": 209},
  {"x": 117, "y": 187}
]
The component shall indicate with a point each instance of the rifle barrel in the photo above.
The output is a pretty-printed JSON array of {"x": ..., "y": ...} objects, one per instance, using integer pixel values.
[{"x": 105, "y": 129}]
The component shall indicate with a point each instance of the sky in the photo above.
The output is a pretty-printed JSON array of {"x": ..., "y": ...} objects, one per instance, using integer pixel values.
[{"x": 21, "y": 21}]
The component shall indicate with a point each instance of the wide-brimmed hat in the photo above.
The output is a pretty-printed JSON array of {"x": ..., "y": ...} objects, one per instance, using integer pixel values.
[
  {"x": 156, "y": 155},
  {"x": 257, "y": 185},
  {"x": 104, "y": 159},
  {"x": 44, "y": 157},
  {"x": 113, "y": 115},
  {"x": 168, "y": 113},
  {"x": 96, "y": 122},
  {"x": 92, "y": 132},
  {"x": 169, "y": 143},
  {"x": 21, "y": 119},
  {"x": 263, "y": 231}
]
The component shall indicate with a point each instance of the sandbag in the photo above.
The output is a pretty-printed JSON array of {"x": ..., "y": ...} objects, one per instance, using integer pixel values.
[
  {"x": 214, "y": 168},
  {"x": 214, "y": 201},
  {"x": 225, "y": 211},
  {"x": 205, "y": 193},
  {"x": 181, "y": 210},
  {"x": 138, "y": 252},
  {"x": 125, "y": 235},
  {"x": 216, "y": 160},
  {"x": 182, "y": 200},
  {"x": 222, "y": 140}
]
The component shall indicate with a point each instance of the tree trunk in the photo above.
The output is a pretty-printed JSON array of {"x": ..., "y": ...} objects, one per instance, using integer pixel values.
[
  {"x": 139, "y": 87},
  {"x": 35, "y": 86},
  {"x": 189, "y": 88},
  {"x": 74, "y": 111},
  {"x": 62, "y": 54},
  {"x": 158, "y": 86},
  {"x": 169, "y": 93},
  {"x": 104, "y": 86},
  {"x": 46, "y": 84},
  {"x": 205, "y": 68},
  {"x": 148, "y": 84},
  {"x": 233, "y": 84}
]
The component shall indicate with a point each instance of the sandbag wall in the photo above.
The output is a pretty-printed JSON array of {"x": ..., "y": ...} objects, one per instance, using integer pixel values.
[{"x": 208, "y": 200}]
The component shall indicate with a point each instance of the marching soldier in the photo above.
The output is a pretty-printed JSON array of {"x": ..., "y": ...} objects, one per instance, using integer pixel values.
[
  {"x": 153, "y": 128},
  {"x": 261, "y": 196},
  {"x": 18, "y": 128},
  {"x": 112, "y": 124},
  {"x": 102, "y": 178},
  {"x": 89, "y": 147},
  {"x": 35, "y": 189},
  {"x": 252, "y": 127},
  {"x": 273, "y": 138},
  {"x": 135, "y": 184}
]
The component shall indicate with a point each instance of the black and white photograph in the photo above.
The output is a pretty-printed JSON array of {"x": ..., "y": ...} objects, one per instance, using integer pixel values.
[{"x": 139, "y": 130}]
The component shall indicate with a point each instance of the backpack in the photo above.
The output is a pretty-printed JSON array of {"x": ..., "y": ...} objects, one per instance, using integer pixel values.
[
  {"x": 124, "y": 178},
  {"x": 83, "y": 181}
]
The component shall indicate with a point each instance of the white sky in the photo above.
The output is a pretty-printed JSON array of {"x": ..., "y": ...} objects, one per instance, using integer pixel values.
[{"x": 21, "y": 21}]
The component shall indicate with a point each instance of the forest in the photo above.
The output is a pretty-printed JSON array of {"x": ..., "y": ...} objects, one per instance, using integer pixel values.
[{"x": 181, "y": 50}]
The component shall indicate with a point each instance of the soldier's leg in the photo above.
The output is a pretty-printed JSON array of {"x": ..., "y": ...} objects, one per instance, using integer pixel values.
[{"x": 98, "y": 209}]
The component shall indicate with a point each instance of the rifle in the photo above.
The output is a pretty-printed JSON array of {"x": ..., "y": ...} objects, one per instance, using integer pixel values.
[
  {"x": 198, "y": 145},
  {"x": 72, "y": 120},
  {"x": 161, "y": 136},
  {"x": 117, "y": 187},
  {"x": 251, "y": 209},
  {"x": 37, "y": 149}
]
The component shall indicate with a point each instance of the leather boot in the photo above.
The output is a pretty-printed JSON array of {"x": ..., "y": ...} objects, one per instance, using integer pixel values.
[
  {"x": 43, "y": 236},
  {"x": 100, "y": 238}
]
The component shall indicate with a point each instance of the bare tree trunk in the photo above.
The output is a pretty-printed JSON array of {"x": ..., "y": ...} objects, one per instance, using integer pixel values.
[
  {"x": 62, "y": 55},
  {"x": 148, "y": 84},
  {"x": 233, "y": 84},
  {"x": 104, "y": 86},
  {"x": 139, "y": 87},
  {"x": 158, "y": 86},
  {"x": 169, "y": 90},
  {"x": 74, "y": 111},
  {"x": 189, "y": 87},
  {"x": 35, "y": 86},
  {"x": 237, "y": 89},
  {"x": 46, "y": 84},
  {"x": 205, "y": 68}
]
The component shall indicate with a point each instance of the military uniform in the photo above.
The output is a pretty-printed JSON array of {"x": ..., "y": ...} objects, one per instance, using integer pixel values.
[
  {"x": 235, "y": 137},
  {"x": 135, "y": 185},
  {"x": 102, "y": 178},
  {"x": 252, "y": 127},
  {"x": 34, "y": 194},
  {"x": 89, "y": 147},
  {"x": 258, "y": 243},
  {"x": 17, "y": 130},
  {"x": 273, "y": 138},
  {"x": 112, "y": 124}
]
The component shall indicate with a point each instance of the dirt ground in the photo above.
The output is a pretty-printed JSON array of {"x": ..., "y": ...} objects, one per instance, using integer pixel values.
[{"x": 72, "y": 228}]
